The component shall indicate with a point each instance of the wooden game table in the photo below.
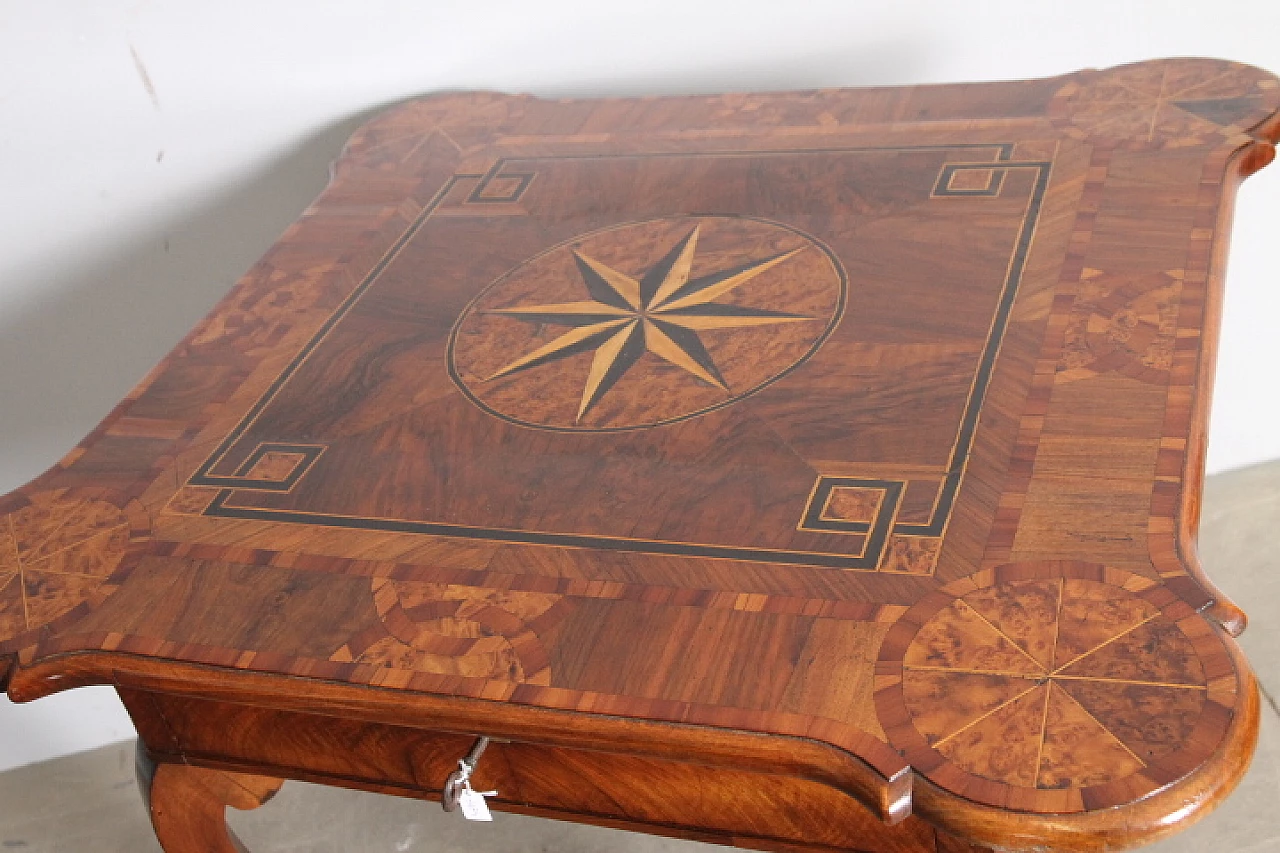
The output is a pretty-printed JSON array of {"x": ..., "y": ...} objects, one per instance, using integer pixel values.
[{"x": 813, "y": 471}]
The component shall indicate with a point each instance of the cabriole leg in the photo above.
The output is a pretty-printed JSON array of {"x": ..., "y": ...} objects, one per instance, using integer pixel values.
[{"x": 188, "y": 804}]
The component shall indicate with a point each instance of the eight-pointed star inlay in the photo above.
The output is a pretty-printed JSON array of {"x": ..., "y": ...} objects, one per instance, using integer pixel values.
[{"x": 661, "y": 312}]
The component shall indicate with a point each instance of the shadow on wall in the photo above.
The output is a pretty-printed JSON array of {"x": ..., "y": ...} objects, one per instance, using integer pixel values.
[
  {"x": 883, "y": 63},
  {"x": 66, "y": 360}
]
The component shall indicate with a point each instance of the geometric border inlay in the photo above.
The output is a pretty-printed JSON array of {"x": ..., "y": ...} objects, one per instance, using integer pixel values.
[
  {"x": 877, "y": 530},
  {"x": 482, "y": 194},
  {"x": 309, "y": 453},
  {"x": 946, "y": 180},
  {"x": 223, "y": 508}
]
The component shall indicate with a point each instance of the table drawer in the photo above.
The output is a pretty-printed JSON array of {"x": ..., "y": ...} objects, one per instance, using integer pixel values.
[{"x": 651, "y": 794}]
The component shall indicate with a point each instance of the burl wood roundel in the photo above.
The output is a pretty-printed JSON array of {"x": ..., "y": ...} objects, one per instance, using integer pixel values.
[
  {"x": 58, "y": 552},
  {"x": 456, "y": 630},
  {"x": 806, "y": 471},
  {"x": 1154, "y": 104},
  {"x": 647, "y": 323},
  {"x": 1072, "y": 685}
]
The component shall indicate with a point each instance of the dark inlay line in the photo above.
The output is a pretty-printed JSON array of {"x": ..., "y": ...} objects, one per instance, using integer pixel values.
[
  {"x": 241, "y": 480},
  {"x": 986, "y": 365},
  {"x": 1004, "y": 152},
  {"x": 219, "y": 509},
  {"x": 878, "y": 536},
  {"x": 203, "y": 477}
]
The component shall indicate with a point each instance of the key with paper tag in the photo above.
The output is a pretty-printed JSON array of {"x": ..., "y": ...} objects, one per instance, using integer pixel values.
[
  {"x": 458, "y": 792},
  {"x": 473, "y": 805}
]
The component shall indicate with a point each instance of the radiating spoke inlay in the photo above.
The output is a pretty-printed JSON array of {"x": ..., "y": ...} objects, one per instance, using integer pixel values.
[
  {"x": 661, "y": 312},
  {"x": 55, "y": 553},
  {"x": 1100, "y": 629}
]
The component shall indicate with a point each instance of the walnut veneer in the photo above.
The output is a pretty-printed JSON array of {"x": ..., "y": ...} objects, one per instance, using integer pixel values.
[{"x": 811, "y": 471}]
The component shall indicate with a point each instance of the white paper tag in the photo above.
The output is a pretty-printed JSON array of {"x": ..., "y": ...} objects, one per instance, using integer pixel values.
[{"x": 473, "y": 805}]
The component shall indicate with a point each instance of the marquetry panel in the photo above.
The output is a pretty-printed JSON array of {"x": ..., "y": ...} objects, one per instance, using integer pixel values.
[
  {"x": 468, "y": 631},
  {"x": 853, "y": 436},
  {"x": 1069, "y": 685},
  {"x": 59, "y": 554}
]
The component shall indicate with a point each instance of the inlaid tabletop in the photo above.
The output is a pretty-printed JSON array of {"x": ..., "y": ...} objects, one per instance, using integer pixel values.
[{"x": 872, "y": 419}]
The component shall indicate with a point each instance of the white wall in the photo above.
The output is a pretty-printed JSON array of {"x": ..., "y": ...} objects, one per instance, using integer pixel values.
[{"x": 150, "y": 151}]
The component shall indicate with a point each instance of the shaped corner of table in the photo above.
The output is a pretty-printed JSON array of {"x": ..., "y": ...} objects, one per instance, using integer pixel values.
[{"x": 836, "y": 455}]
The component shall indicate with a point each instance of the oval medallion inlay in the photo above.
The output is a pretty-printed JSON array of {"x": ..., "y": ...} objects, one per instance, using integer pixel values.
[{"x": 647, "y": 323}]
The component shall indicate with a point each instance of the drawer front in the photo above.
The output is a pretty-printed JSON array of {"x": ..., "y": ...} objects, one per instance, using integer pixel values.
[{"x": 655, "y": 795}]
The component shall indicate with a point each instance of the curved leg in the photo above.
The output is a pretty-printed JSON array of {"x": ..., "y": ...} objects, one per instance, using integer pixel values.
[{"x": 188, "y": 804}]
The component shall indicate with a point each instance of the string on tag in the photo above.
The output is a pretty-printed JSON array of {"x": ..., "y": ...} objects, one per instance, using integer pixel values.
[{"x": 458, "y": 793}]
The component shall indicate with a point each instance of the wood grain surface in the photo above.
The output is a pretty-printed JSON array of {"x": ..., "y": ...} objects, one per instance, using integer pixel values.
[{"x": 811, "y": 451}]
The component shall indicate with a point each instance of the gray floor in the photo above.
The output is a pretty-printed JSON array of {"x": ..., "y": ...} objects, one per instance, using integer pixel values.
[{"x": 88, "y": 802}]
